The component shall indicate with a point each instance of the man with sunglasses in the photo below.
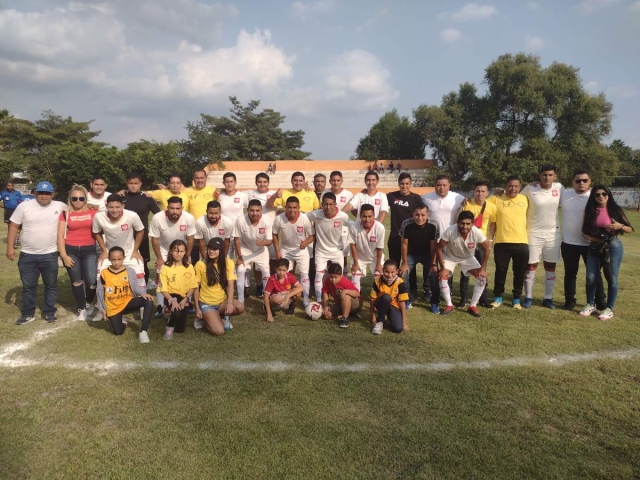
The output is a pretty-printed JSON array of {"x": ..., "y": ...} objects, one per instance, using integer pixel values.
[
  {"x": 39, "y": 255},
  {"x": 574, "y": 245}
]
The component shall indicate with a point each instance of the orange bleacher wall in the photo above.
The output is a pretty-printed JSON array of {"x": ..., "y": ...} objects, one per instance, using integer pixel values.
[{"x": 293, "y": 165}]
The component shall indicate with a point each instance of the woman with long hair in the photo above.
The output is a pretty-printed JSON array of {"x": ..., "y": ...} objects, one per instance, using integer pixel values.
[
  {"x": 77, "y": 247},
  {"x": 216, "y": 276},
  {"x": 604, "y": 221}
]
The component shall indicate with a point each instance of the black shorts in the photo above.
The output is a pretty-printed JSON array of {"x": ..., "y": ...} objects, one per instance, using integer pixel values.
[{"x": 7, "y": 214}]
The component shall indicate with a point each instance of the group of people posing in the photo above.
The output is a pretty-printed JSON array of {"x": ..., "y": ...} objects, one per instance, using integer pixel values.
[{"x": 205, "y": 244}]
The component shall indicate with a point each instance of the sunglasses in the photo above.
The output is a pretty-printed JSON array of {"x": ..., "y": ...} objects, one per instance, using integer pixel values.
[
  {"x": 602, "y": 194},
  {"x": 581, "y": 180},
  {"x": 44, "y": 193},
  {"x": 78, "y": 199}
]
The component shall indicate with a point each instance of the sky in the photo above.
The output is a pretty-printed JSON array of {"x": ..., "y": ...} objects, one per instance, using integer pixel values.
[{"x": 142, "y": 69}]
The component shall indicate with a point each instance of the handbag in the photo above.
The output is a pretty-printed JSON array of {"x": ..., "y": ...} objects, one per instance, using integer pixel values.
[{"x": 477, "y": 222}]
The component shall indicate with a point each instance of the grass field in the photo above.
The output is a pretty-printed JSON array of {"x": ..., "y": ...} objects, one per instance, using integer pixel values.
[{"x": 517, "y": 394}]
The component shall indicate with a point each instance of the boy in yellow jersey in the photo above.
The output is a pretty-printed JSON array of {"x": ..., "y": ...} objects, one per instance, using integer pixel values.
[
  {"x": 307, "y": 197},
  {"x": 118, "y": 292}
]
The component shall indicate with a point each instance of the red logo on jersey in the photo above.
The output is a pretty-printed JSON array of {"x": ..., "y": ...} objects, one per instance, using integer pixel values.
[
  {"x": 471, "y": 245},
  {"x": 236, "y": 200},
  {"x": 372, "y": 238},
  {"x": 124, "y": 227},
  {"x": 261, "y": 230},
  {"x": 554, "y": 193},
  {"x": 183, "y": 228},
  {"x": 343, "y": 199},
  {"x": 221, "y": 231},
  {"x": 336, "y": 224},
  {"x": 377, "y": 201},
  {"x": 300, "y": 229}
]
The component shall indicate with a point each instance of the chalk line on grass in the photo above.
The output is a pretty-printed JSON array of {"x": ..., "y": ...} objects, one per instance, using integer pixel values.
[{"x": 106, "y": 367}]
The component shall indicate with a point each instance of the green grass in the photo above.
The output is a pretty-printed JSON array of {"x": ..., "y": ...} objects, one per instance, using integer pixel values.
[{"x": 574, "y": 421}]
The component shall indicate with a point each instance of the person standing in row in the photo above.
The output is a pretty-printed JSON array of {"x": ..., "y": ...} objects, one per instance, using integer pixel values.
[
  {"x": 371, "y": 197},
  {"x": 97, "y": 197},
  {"x": 199, "y": 194},
  {"x": 174, "y": 189},
  {"x": 263, "y": 194},
  {"x": 10, "y": 199},
  {"x": 366, "y": 241}
]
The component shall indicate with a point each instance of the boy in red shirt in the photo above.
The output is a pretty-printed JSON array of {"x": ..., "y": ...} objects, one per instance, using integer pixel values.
[
  {"x": 346, "y": 295},
  {"x": 282, "y": 291}
]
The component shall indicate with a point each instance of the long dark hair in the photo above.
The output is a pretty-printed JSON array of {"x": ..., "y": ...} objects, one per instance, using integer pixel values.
[
  {"x": 175, "y": 244},
  {"x": 216, "y": 269},
  {"x": 613, "y": 209}
]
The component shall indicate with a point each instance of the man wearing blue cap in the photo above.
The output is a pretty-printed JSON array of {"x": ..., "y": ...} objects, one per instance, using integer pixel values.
[{"x": 39, "y": 255}]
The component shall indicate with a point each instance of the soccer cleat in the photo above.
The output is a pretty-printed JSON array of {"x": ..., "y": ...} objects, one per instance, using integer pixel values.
[
  {"x": 24, "y": 319},
  {"x": 497, "y": 302},
  {"x": 198, "y": 323},
  {"x": 474, "y": 312},
  {"x": 527, "y": 303},
  {"x": 548, "y": 303},
  {"x": 516, "y": 304},
  {"x": 377, "y": 328},
  {"x": 168, "y": 333},
  {"x": 143, "y": 336},
  {"x": 82, "y": 315},
  {"x": 587, "y": 310},
  {"x": 462, "y": 303},
  {"x": 435, "y": 309},
  {"x": 344, "y": 322},
  {"x": 51, "y": 318},
  {"x": 568, "y": 305},
  {"x": 448, "y": 310},
  {"x": 606, "y": 314}
]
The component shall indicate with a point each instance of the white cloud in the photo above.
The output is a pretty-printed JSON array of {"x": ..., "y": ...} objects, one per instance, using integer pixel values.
[
  {"x": 450, "y": 35},
  {"x": 635, "y": 7},
  {"x": 383, "y": 12},
  {"x": 589, "y": 6},
  {"x": 591, "y": 86},
  {"x": 533, "y": 43},
  {"x": 470, "y": 12},
  {"x": 533, "y": 5},
  {"x": 623, "y": 92},
  {"x": 303, "y": 10}
]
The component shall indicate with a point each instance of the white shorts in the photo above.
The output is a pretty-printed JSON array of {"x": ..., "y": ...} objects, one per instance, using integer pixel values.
[
  {"x": 137, "y": 266},
  {"x": 547, "y": 249},
  {"x": 321, "y": 260},
  {"x": 272, "y": 252},
  {"x": 364, "y": 266},
  {"x": 469, "y": 263},
  {"x": 300, "y": 257},
  {"x": 260, "y": 259}
]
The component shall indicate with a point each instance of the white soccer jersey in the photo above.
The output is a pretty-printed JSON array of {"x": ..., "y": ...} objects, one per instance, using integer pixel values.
[
  {"x": 378, "y": 200},
  {"x": 206, "y": 231},
  {"x": 542, "y": 215},
  {"x": 573, "y": 204},
  {"x": 269, "y": 213},
  {"x": 232, "y": 206},
  {"x": 248, "y": 233},
  {"x": 342, "y": 198},
  {"x": 166, "y": 231},
  {"x": 443, "y": 211},
  {"x": 120, "y": 233},
  {"x": 101, "y": 203},
  {"x": 367, "y": 242},
  {"x": 459, "y": 248},
  {"x": 329, "y": 231},
  {"x": 291, "y": 234}
]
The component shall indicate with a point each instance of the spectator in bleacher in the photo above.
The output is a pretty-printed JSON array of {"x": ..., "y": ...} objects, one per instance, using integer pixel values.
[
  {"x": 398, "y": 167},
  {"x": 270, "y": 169},
  {"x": 374, "y": 167},
  {"x": 390, "y": 166},
  {"x": 380, "y": 167}
]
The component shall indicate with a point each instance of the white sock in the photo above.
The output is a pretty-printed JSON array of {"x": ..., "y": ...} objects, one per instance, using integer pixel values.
[
  {"x": 318, "y": 285},
  {"x": 528, "y": 283},
  {"x": 242, "y": 270},
  {"x": 247, "y": 278},
  {"x": 304, "y": 280},
  {"x": 445, "y": 291},
  {"x": 549, "y": 283},
  {"x": 355, "y": 279},
  {"x": 478, "y": 288}
]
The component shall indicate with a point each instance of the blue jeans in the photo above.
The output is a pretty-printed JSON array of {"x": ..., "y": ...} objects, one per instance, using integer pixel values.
[
  {"x": 429, "y": 282},
  {"x": 31, "y": 266},
  {"x": 595, "y": 263},
  {"x": 83, "y": 274}
]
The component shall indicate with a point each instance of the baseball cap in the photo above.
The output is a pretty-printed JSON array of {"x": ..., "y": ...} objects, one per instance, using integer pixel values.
[
  {"x": 44, "y": 187},
  {"x": 216, "y": 243}
]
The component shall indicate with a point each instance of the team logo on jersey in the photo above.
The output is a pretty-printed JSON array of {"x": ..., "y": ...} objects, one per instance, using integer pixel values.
[
  {"x": 343, "y": 199},
  {"x": 372, "y": 238},
  {"x": 124, "y": 227},
  {"x": 471, "y": 245},
  {"x": 336, "y": 224},
  {"x": 554, "y": 193},
  {"x": 300, "y": 229},
  {"x": 109, "y": 289},
  {"x": 236, "y": 200},
  {"x": 261, "y": 230},
  {"x": 402, "y": 203},
  {"x": 221, "y": 231},
  {"x": 183, "y": 228},
  {"x": 377, "y": 201}
]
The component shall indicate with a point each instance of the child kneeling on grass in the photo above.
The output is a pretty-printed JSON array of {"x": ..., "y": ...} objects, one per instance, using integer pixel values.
[
  {"x": 118, "y": 292},
  {"x": 177, "y": 284},
  {"x": 346, "y": 295},
  {"x": 282, "y": 291},
  {"x": 215, "y": 275},
  {"x": 388, "y": 296}
]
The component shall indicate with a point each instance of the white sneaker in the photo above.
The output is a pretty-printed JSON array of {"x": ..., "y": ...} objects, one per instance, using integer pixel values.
[
  {"x": 198, "y": 324},
  {"x": 97, "y": 317},
  {"x": 90, "y": 309},
  {"x": 143, "y": 336},
  {"x": 606, "y": 314},
  {"x": 377, "y": 328},
  {"x": 82, "y": 315},
  {"x": 587, "y": 310}
]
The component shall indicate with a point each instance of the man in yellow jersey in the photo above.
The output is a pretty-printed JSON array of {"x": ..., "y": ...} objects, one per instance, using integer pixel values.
[
  {"x": 511, "y": 240},
  {"x": 200, "y": 194},
  {"x": 484, "y": 214},
  {"x": 307, "y": 198},
  {"x": 174, "y": 182}
]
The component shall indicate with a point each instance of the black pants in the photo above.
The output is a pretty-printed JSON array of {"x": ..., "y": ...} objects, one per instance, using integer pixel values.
[
  {"x": 386, "y": 310},
  {"x": 464, "y": 281},
  {"x": 571, "y": 255},
  {"x": 177, "y": 319},
  {"x": 395, "y": 253},
  {"x": 503, "y": 253},
  {"x": 134, "y": 304}
]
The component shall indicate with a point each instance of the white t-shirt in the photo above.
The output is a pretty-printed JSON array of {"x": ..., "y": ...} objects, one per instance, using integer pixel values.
[
  {"x": 542, "y": 215},
  {"x": 443, "y": 211},
  {"x": 248, "y": 233},
  {"x": 120, "y": 233},
  {"x": 39, "y": 226},
  {"x": 290, "y": 235},
  {"x": 166, "y": 231},
  {"x": 206, "y": 231},
  {"x": 378, "y": 200},
  {"x": 269, "y": 213},
  {"x": 460, "y": 248},
  {"x": 342, "y": 198},
  {"x": 101, "y": 203},
  {"x": 329, "y": 231},
  {"x": 232, "y": 206},
  {"x": 367, "y": 242},
  {"x": 573, "y": 205}
]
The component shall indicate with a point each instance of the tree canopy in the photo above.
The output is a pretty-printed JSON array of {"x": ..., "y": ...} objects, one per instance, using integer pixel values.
[{"x": 391, "y": 138}]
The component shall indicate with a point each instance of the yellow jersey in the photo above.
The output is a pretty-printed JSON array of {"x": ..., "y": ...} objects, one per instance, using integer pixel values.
[
  {"x": 117, "y": 290},
  {"x": 177, "y": 279},
  {"x": 162, "y": 197},
  {"x": 488, "y": 216},
  {"x": 308, "y": 200},
  {"x": 397, "y": 291},
  {"x": 213, "y": 294},
  {"x": 198, "y": 199},
  {"x": 511, "y": 218}
]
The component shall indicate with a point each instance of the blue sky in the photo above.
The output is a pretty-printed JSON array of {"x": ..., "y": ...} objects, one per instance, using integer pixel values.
[{"x": 143, "y": 68}]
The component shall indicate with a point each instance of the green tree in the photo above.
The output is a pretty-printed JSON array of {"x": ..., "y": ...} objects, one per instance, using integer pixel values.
[
  {"x": 246, "y": 135},
  {"x": 629, "y": 162},
  {"x": 391, "y": 138},
  {"x": 528, "y": 116}
]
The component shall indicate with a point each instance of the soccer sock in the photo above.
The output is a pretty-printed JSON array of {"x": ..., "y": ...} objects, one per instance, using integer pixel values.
[
  {"x": 304, "y": 280},
  {"x": 445, "y": 291},
  {"x": 355, "y": 279},
  {"x": 242, "y": 270},
  {"x": 528, "y": 283},
  {"x": 318, "y": 285},
  {"x": 160, "y": 299},
  {"x": 478, "y": 288},
  {"x": 549, "y": 283}
]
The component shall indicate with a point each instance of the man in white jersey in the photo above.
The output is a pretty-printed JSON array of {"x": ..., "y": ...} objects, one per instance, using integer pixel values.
[
  {"x": 366, "y": 241},
  {"x": 457, "y": 247},
  {"x": 213, "y": 224},
  {"x": 97, "y": 197},
  {"x": 232, "y": 201},
  {"x": 292, "y": 234},
  {"x": 372, "y": 197},
  {"x": 574, "y": 245},
  {"x": 172, "y": 224},
  {"x": 252, "y": 234},
  {"x": 543, "y": 231},
  {"x": 343, "y": 197},
  {"x": 329, "y": 225}
]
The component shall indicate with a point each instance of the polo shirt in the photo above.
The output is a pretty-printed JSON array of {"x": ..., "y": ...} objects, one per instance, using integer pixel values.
[
  {"x": 308, "y": 200},
  {"x": 198, "y": 199},
  {"x": 11, "y": 199}
]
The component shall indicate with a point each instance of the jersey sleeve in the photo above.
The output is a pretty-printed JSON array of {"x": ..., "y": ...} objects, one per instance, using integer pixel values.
[
  {"x": 100, "y": 293},
  {"x": 268, "y": 231},
  {"x": 355, "y": 201},
  {"x": 95, "y": 224},
  {"x": 381, "y": 236},
  {"x": 311, "y": 216},
  {"x": 403, "y": 227},
  {"x": 277, "y": 226},
  {"x": 201, "y": 275},
  {"x": 384, "y": 207},
  {"x": 237, "y": 232},
  {"x": 153, "y": 205},
  {"x": 164, "y": 280},
  {"x": 199, "y": 230},
  {"x": 308, "y": 226},
  {"x": 316, "y": 202},
  {"x": 133, "y": 283},
  {"x": 154, "y": 227},
  {"x": 446, "y": 235},
  {"x": 403, "y": 295},
  {"x": 191, "y": 226},
  {"x": 352, "y": 233},
  {"x": 136, "y": 222},
  {"x": 270, "y": 285}
]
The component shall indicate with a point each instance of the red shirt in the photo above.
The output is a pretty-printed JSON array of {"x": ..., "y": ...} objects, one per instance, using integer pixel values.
[
  {"x": 344, "y": 284},
  {"x": 275, "y": 286},
  {"x": 79, "y": 232}
]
